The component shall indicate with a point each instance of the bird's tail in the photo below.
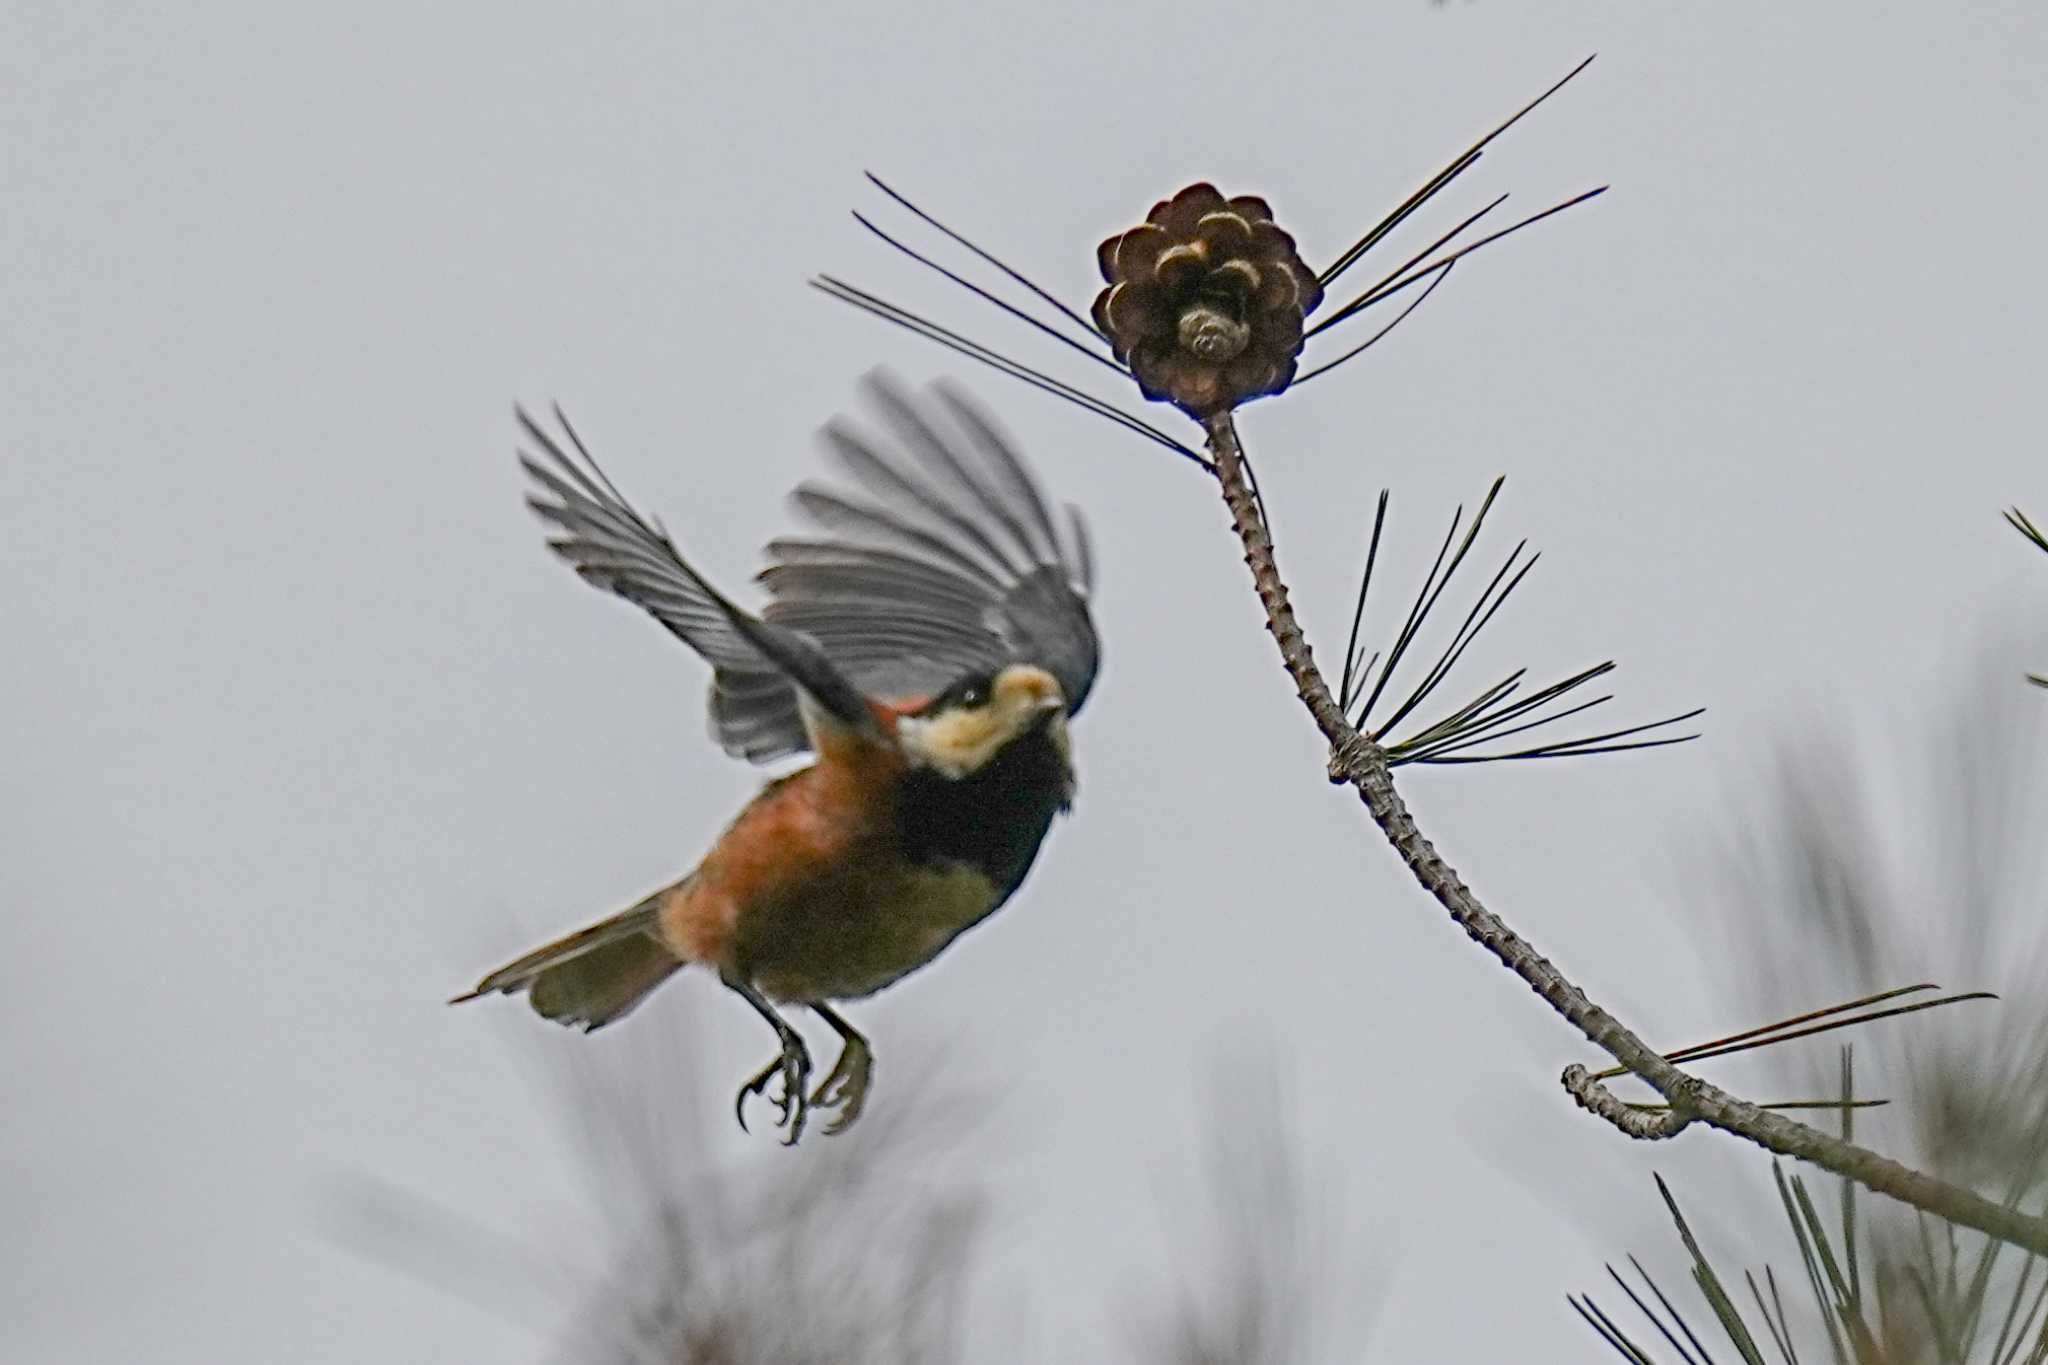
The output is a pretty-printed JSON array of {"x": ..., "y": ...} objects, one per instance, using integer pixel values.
[{"x": 593, "y": 976}]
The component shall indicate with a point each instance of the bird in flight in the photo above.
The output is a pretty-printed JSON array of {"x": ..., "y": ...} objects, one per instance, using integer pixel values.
[{"x": 926, "y": 645}]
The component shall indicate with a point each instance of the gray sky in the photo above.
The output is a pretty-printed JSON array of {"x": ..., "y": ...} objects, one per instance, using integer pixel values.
[{"x": 303, "y": 729}]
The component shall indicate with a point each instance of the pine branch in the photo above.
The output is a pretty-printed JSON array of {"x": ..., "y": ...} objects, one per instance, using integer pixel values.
[{"x": 1357, "y": 760}]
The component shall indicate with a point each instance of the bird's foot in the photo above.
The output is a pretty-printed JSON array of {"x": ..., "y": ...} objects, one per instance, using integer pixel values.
[
  {"x": 845, "y": 1087},
  {"x": 793, "y": 1067}
]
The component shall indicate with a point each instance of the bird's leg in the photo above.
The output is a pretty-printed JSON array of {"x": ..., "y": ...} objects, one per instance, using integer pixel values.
[
  {"x": 793, "y": 1066},
  {"x": 846, "y": 1087}
]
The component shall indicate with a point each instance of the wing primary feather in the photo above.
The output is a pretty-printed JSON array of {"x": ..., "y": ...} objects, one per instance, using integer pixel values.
[
  {"x": 862, "y": 584},
  {"x": 939, "y": 555},
  {"x": 797, "y": 556},
  {"x": 1001, "y": 458},
  {"x": 942, "y": 459},
  {"x": 875, "y": 470},
  {"x": 840, "y": 514},
  {"x": 1084, "y": 548},
  {"x": 614, "y": 546},
  {"x": 590, "y": 462}
]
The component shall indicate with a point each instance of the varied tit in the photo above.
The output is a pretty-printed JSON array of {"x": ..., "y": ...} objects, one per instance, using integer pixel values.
[{"x": 927, "y": 649}]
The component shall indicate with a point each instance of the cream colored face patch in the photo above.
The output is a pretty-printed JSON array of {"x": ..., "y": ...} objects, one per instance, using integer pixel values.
[{"x": 964, "y": 735}]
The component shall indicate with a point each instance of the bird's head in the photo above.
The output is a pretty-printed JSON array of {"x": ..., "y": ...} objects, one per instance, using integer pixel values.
[{"x": 964, "y": 728}]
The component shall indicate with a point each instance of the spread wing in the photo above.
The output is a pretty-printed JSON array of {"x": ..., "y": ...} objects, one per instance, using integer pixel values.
[
  {"x": 612, "y": 546},
  {"x": 941, "y": 559}
]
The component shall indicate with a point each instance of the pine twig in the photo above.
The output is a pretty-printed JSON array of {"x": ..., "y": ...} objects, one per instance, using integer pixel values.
[{"x": 1357, "y": 760}]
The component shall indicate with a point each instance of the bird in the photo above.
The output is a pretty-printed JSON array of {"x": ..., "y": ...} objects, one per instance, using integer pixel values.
[{"x": 925, "y": 643}]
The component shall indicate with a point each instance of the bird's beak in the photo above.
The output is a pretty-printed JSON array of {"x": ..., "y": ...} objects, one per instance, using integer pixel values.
[
  {"x": 1047, "y": 711},
  {"x": 1031, "y": 690}
]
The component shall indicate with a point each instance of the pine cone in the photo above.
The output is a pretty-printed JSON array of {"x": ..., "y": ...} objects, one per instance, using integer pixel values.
[{"x": 1205, "y": 301}]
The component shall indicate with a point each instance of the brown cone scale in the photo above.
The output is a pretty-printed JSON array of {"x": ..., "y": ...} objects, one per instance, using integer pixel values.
[{"x": 1205, "y": 301}]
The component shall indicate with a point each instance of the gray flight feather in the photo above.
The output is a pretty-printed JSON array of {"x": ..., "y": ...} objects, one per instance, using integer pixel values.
[
  {"x": 759, "y": 665},
  {"x": 940, "y": 560}
]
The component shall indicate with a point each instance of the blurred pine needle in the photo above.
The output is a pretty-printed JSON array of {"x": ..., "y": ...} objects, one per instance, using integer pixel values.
[{"x": 1953, "y": 875}]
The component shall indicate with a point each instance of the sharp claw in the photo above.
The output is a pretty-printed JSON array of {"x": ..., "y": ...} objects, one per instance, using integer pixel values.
[
  {"x": 795, "y": 1076},
  {"x": 846, "y": 1087},
  {"x": 755, "y": 1086},
  {"x": 792, "y": 1067}
]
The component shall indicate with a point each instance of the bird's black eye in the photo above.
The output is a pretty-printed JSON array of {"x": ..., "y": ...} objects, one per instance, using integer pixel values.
[{"x": 972, "y": 692}]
